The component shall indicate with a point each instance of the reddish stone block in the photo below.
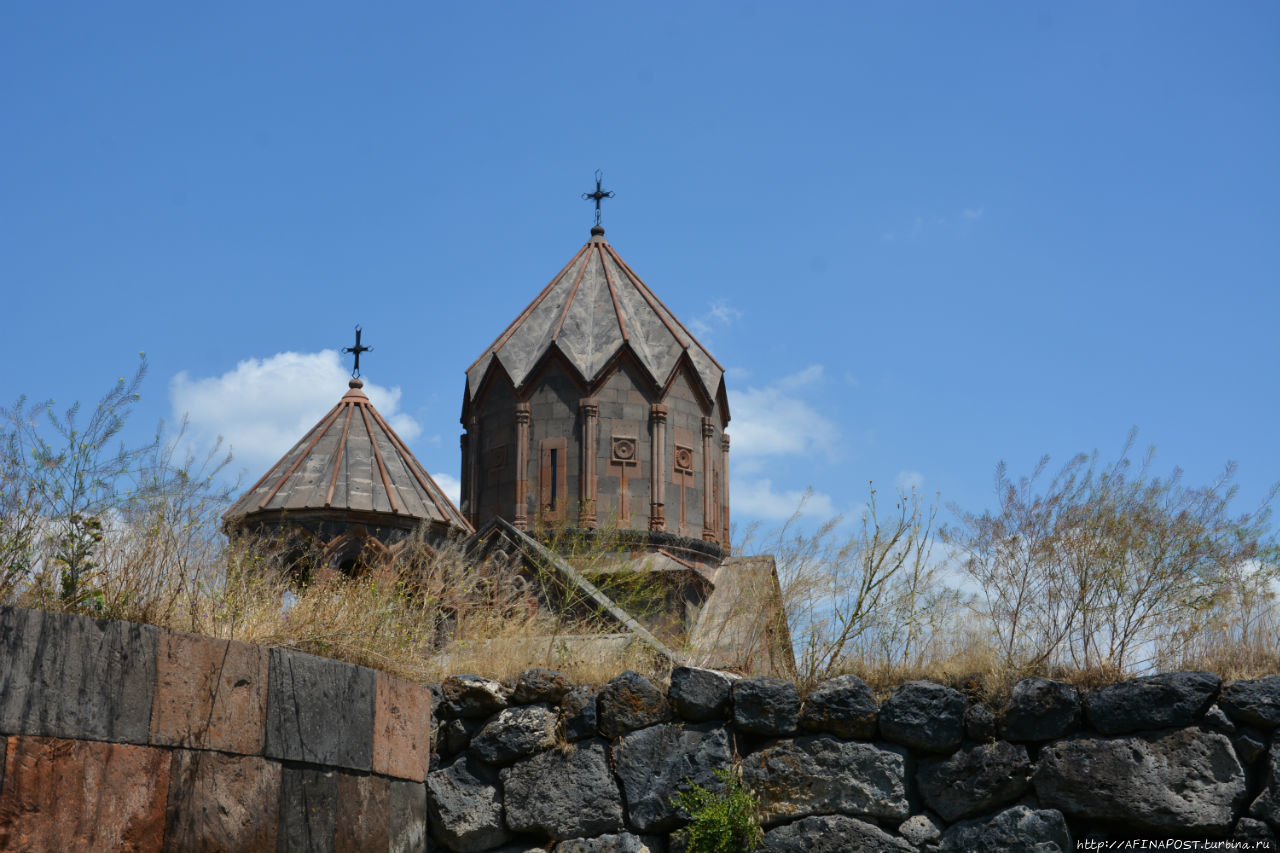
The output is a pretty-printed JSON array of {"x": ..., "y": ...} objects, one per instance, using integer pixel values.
[
  {"x": 401, "y": 729},
  {"x": 82, "y": 795},
  {"x": 210, "y": 694},
  {"x": 222, "y": 802},
  {"x": 364, "y": 813}
]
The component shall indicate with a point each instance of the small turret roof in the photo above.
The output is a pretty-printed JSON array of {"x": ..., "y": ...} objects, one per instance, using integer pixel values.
[
  {"x": 593, "y": 308},
  {"x": 352, "y": 460}
]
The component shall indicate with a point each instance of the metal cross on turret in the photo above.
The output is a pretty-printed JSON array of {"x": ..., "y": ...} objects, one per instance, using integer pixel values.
[
  {"x": 597, "y": 195},
  {"x": 357, "y": 349}
]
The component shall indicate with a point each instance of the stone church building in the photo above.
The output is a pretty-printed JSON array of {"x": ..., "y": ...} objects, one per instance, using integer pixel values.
[{"x": 595, "y": 411}]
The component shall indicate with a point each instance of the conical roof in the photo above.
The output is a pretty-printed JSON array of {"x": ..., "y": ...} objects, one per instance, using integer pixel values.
[
  {"x": 593, "y": 308},
  {"x": 352, "y": 460}
]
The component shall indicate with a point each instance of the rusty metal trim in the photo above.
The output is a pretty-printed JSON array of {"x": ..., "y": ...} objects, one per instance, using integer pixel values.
[
  {"x": 613, "y": 294},
  {"x": 337, "y": 459},
  {"x": 320, "y": 431},
  {"x": 524, "y": 315},
  {"x": 377, "y": 455}
]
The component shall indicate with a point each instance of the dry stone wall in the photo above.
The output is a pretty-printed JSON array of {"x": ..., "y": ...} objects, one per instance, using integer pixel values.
[
  {"x": 118, "y": 736},
  {"x": 545, "y": 765}
]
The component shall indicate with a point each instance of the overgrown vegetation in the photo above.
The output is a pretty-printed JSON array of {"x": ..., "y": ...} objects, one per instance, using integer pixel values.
[
  {"x": 723, "y": 821},
  {"x": 1098, "y": 571}
]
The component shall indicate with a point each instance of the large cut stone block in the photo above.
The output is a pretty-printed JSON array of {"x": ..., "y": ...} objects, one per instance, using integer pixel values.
[
  {"x": 822, "y": 774},
  {"x": 320, "y": 711},
  {"x": 1015, "y": 828},
  {"x": 363, "y": 813},
  {"x": 464, "y": 801},
  {"x": 308, "y": 809},
  {"x": 72, "y": 676},
  {"x": 583, "y": 801},
  {"x": 82, "y": 795},
  {"x": 832, "y": 834},
  {"x": 210, "y": 694},
  {"x": 407, "y": 817},
  {"x": 222, "y": 802},
  {"x": 656, "y": 763},
  {"x": 401, "y": 729},
  {"x": 1181, "y": 780}
]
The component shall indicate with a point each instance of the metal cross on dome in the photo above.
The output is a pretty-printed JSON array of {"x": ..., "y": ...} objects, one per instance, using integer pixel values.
[
  {"x": 598, "y": 194},
  {"x": 357, "y": 349}
]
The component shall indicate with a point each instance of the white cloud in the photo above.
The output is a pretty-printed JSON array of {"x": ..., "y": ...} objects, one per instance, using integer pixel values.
[
  {"x": 719, "y": 314},
  {"x": 908, "y": 480},
  {"x": 450, "y": 485},
  {"x": 776, "y": 420},
  {"x": 973, "y": 213},
  {"x": 263, "y": 406},
  {"x": 758, "y": 499}
]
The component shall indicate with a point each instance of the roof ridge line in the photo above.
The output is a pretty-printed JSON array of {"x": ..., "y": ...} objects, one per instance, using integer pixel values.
[
  {"x": 613, "y": 295},
  {"x": 319, "y": 429},
  {"x": 649, "y": 297},
  {"x": 412, "y": 463},
  {"x": 510, "y": 330},
  {"x": 377, "y": 455},
  {"x": 674, "y": 318},
  {"x": 568, "y": 303},
  {"x": 337, "y": 459}
]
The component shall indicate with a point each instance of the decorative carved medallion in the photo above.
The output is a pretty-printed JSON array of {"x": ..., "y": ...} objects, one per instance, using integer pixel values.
[
  {"x": 623, "y": 450},
  {"x": 684, "y": 459}
]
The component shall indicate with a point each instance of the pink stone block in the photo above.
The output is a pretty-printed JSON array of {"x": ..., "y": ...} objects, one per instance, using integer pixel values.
[
  {"x": 401, "y": 729},
  {"x": 210, "y": 694},
  {"x": 363, "y": 818},
  {"x": 82, "y": 795}
]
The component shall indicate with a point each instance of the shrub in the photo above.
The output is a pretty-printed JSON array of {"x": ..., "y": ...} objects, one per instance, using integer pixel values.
[{"x": 722, "y": 822}]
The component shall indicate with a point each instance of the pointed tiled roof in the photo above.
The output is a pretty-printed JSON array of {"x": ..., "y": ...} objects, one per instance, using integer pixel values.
[
  {"x": 352, "y": 460},
  {"x": 594, "y": 307}
]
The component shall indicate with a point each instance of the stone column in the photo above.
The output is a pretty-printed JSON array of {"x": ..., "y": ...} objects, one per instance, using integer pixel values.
[
  {"x": 708, "y": 490},
  {"x": 587, "y": 475},
  {"x": 724, "y": 491},
  {"x": 521, "y": 521},
  {"x": 471, "y": 445},
  {"x": 464, "y": 502},
  {"x": 657, "y": 466}
]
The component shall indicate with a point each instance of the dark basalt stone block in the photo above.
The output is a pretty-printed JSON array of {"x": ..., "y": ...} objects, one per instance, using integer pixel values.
[
  {"x": 1039, "y": 710},
  {"x": 629, "y": 702},
  {"x": 841, "y": 706},
  {"x": 1152, "y": 702},
  {"x": 1255, "y": 702},
  {"x": 700, "y": 694},
  {"x": 320, "y": 711},
  {"x": 540, "y": 686},
  {"x": 925, "y": 716},
  {"x": 765, "y": 706},
  {"x": 76, "y": 677}
]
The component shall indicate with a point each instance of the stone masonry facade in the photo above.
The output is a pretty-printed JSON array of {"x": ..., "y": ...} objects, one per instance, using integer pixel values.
[{"x": 118, "y": 736}]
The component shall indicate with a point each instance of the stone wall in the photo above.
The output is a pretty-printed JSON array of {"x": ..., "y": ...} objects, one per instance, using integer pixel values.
[
  {"x": 115, "y": 736},
  {"x": 122, "y": 736},
  {"x": 544, "y": 765}
]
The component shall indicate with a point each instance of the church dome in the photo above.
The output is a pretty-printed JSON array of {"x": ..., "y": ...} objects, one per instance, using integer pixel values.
[
  {"x": 597, "y": 407},
  {"x": 590, "y": 311},
  {"x": 350, "y": 467}
]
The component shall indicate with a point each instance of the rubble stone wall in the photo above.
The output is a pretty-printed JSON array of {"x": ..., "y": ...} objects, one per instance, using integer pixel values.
[
  {"x": 116, "y": 736},
  {"x": 544, "y": 765}
]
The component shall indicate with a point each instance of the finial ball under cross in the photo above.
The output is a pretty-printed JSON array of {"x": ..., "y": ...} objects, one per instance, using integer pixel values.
[
  {"x": 597, "y": 195},
  {"x": 357, "y": 349}
]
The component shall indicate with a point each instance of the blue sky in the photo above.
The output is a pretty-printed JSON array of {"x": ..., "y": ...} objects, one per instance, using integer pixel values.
[{"x": 921, "y": 237}]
